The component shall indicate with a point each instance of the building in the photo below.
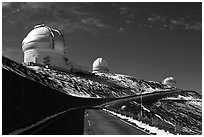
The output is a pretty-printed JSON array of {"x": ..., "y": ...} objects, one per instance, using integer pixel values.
[
  {"x": 45, "y": 46},
  {"x": 170, "y": 81},
  {"x": 100, "y": 66}
]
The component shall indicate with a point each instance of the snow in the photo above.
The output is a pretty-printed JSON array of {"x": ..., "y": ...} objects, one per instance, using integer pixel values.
[
  {"x": 180, "y": 97},
  {"x": 185, "y": 98},
  {"x": 123, "y": 107},
  {"x": 196, "y": 103},
  {"x": 145, "y": 108},
  {"x": 33, "y": 67},
  {"x": 144, "y": 126},
  {"x": 123, "y": 75},
  {"x": 158, "y": 116},
  {"x": 164, "y": 120},
  {"x": 79, "y": 95}
]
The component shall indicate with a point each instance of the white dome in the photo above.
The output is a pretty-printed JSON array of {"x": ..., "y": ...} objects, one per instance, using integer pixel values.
[
  {"x": 169, "y": 81},
  {"x": 43, "y": 37},
  {"x": 45, "y": 46},
  {"x": 100, "y": 65}
]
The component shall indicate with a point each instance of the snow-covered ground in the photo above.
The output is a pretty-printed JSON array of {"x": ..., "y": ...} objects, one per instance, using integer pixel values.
[
  {"x": 141, "y": 125},
  {"x": 180, "y": 97}
]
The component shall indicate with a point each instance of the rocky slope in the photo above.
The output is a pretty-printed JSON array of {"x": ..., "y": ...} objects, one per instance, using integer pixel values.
[
  {"x": 89, "y": 85},
  {"x": 176, "y": 113}
]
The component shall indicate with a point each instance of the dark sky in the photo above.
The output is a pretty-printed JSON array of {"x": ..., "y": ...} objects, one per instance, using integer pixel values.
[{"x": 146, "y": 40}]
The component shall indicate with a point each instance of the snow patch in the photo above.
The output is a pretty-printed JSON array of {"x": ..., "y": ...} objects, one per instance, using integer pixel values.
[
  {"x": 141, "y": 125},
  {"x": 180, "y": 97},
  {"x": 145, "y": 108},
  {"x": 123, "y": 107}
]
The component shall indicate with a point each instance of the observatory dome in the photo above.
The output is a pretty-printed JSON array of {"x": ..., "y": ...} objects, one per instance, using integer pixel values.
[
  {"x": 100, "y": 65},
  {"x": 44, "y": 37},
  {"x": 169, "y": 81},
  {"x": 45, "y": 46}
]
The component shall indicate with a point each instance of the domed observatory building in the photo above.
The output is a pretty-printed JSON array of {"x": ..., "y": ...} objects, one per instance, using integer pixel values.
[
  {"x": 45, "y": 46},
  {"x": 100, "y": 66},
  {"x": 170, "y": 81}
]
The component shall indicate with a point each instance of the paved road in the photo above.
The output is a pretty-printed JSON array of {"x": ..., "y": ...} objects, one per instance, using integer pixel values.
[
  {"x": 92, "y": 121},
  {"x": 98, "y": 122},
  {"x": 147, "y": 97},
  {"x": 69, "y": 123}
]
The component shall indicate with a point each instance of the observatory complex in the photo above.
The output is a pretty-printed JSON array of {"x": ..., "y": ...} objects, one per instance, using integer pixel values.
[{"x": 46, "y": 46}]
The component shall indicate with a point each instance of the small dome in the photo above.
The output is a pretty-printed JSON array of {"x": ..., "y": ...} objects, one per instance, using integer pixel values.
[
  {"x": 43, "y": 37},
  {"x": 100, "y": 65},
  {"x": 169, "y": 81}
]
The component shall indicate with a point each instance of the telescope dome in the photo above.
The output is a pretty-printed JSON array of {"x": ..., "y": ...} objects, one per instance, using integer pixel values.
[
  {"x": 44, "y": 37},
  {"x": 100, "y": 65},
  {"x": 169, "y": 81},
  {"x": 45, "y": 46}
]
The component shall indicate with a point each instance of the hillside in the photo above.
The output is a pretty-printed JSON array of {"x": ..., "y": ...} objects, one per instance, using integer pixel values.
[
  {"x": 35, "y": 92},
  {"x": 90, "y": 85},
  {"x": 171, "y": 113}
]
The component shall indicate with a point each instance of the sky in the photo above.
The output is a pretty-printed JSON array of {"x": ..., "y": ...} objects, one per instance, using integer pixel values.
[{"x": 146, "y": 40}]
